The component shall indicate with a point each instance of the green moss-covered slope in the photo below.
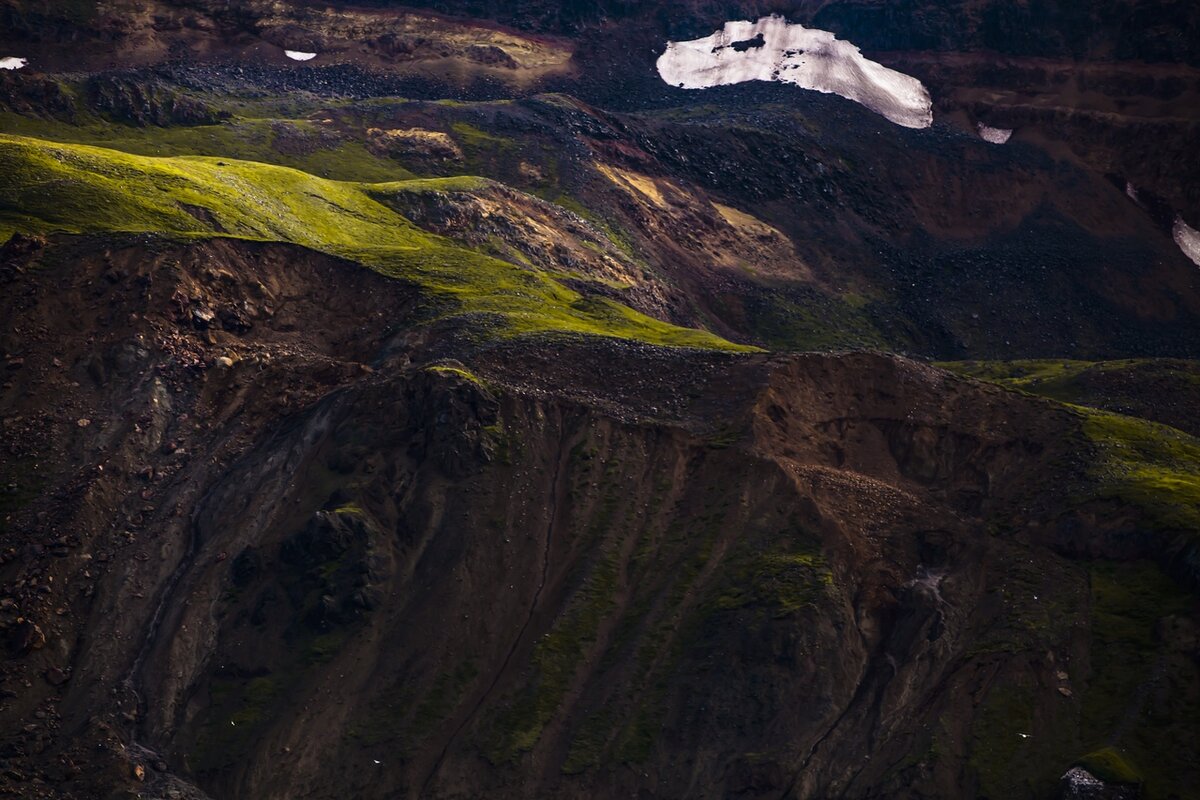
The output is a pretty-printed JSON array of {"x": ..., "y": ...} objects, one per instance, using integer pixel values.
[
  {"x": 1153, "y": 467},
  {"x": 1163, "y": 390},
  {"x": 1136, "y": 461}
]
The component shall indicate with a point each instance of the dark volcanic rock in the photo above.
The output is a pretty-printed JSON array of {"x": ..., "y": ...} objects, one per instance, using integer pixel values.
[{"x": 141, "y": 102}]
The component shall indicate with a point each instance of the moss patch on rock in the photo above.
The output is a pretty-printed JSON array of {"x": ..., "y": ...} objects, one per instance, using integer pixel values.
[{"x": 1110, "y": 766}]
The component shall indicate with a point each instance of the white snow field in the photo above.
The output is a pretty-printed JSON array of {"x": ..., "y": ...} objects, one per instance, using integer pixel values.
[
  {"x": 773, "y": 49},
  {"x": 299, "y": 55},
  {"x": 994, "y": 135},
  {"x": 11, "y": 62},
  {"x": 1188, "y": 239}
]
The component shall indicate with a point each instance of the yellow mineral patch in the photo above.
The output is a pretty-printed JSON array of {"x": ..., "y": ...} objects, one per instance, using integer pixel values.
[
  {"x": 746, "y": 222},
  {"x": 634, "y": 182},
  {"x": 527, "y": 53},
  {"x": 414, "y": 141}
]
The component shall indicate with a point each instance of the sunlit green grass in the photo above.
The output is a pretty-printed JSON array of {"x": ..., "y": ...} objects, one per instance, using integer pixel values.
[
  {"x": 314, "y": 148},
  {"x": 85, "y": 189}
]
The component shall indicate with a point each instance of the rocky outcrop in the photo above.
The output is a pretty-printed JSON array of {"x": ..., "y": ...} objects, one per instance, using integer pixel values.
[
  {"x": 527, "y": 230},
  {"x": 36, "y": 95},
  {"x": 1079, "y": 784},
  {"x": 414, "y": 143},
  {"x": 139, "y": 102}
]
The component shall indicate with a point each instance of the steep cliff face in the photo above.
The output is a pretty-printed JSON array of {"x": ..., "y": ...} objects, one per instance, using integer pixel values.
[{"x": 306, "y": 548}]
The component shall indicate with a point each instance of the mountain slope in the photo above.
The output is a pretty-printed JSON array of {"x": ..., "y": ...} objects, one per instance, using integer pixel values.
[
  {"x": 400, "y": 404},
  {"x": 79, "y": 188}
]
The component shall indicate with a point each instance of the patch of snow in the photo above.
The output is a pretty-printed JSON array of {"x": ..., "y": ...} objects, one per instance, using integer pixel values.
[
  {"x": 994, "y": 135},
  {"x": 1188, "y": 239},
  {"x": 1131, "y": 192},
  {"x": 773, "y": 49},
  {"x": 299, "y": 55},
  {"x": 11, "y": 62}
]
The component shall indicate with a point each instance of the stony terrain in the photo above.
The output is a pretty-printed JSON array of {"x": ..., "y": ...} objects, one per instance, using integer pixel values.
[{"x": 465, "y": 412}]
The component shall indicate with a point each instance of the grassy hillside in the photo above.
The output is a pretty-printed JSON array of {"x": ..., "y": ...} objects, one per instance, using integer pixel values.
[
  {"x": 1150, "y": 466},
  {"x": 1137, "y": 460},
  {"x": 1093, "y": 383},
  {"x": 84, "y": 189}
]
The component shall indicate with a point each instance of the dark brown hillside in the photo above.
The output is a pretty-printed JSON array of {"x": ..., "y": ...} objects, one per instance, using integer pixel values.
[{"x": 555, "y": 568}]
